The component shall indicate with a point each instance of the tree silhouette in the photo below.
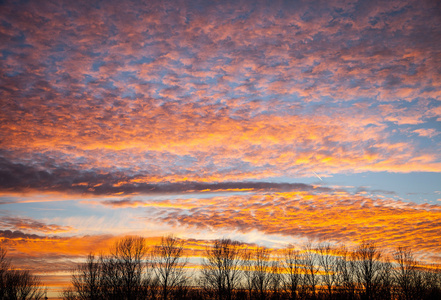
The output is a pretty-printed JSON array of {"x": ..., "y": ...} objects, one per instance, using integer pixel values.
[
  {"x": 168, "y": 263},
  {"x": 259, "y": 272},
  {"x": 18, "y": 284},
  {"x": 87, "y": 279},
  {"x": 127, "y": 257},
  {"x": 316, "y": 272},
  {"x": 221, "y": 268},
  {"x": 310, "y": 278},
  {"x": 345, "y": 284},
  {"x": 291, "y": 268},
  {"x": 406, "y": 275},
  {"x": 367, "y": 268},
  {"x": 121, "y": 275}
]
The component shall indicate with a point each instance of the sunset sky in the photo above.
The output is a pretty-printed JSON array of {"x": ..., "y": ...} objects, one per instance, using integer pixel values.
[{"x": 267, "y": 122}]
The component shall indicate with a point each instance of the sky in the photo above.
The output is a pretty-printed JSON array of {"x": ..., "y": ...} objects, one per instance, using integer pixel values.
[{"x": 269, "y": 122}]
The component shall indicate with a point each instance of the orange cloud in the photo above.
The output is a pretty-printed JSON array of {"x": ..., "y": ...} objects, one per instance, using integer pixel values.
[
  {"x": 257, "y": 94},
  {"x": 338, "y": 217}
]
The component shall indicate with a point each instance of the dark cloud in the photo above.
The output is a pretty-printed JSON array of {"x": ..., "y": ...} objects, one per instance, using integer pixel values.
[
  {"x": 18, "y": 234},
  {"x": 31, "y": 225},
  {"x": 17, "y": 177}
]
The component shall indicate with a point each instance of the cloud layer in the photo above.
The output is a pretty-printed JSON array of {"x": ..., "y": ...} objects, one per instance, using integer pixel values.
[
  {"x": 17, "y": 177},
  {"x": 220, "y": 92},
  {"x": 332, "y": 216}
]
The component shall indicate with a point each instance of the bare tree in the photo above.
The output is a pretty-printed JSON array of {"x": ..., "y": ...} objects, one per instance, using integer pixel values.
[
  {"x": 86, "y": 279},
  {"x": 345, "y": 271},
  {"x": 384, "y": 287},
  {"x": 121, "y": 275},
  {"x": 432, "y": 282},
  {"x": 290, "y": 264},
  {"x": 168, "y": 263},
  {"x": 18, "y": 284},
  {"x": 327, "y": 262},
  {"x": 406, "y": 274},
  {"x": 248, "y": 266},
  {"x": 150, "y": 285},
  {"x": 128, "y": 253},
  {"x": 311, "y": 278},
  {"x": 367, "y": 268},
  {"x": 111, "y": 278},
  {"x": 276, "y": 283},
  {"x": 221, "y": 268},
  {"x": 4, "y": 268},
  {"x": 23, "y": 285},
  {"x": 69, "y": 294},
  {"x": 258, "y": 272}
]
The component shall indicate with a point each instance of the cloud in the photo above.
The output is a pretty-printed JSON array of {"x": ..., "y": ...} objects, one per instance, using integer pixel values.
[
  {"x": 427, "y": 132},
  {"x": 16, "y": 177},
  {"x": 46, "y": 254},
  {"x": 31, "y": 225},
  {"x": 337, "y": 216},
  {"x": 331, "y": 215},
  {"x": 210, "y": 92}
]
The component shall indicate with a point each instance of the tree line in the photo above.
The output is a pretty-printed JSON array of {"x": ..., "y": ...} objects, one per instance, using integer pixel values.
[{"x": 229, "y": 270}]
